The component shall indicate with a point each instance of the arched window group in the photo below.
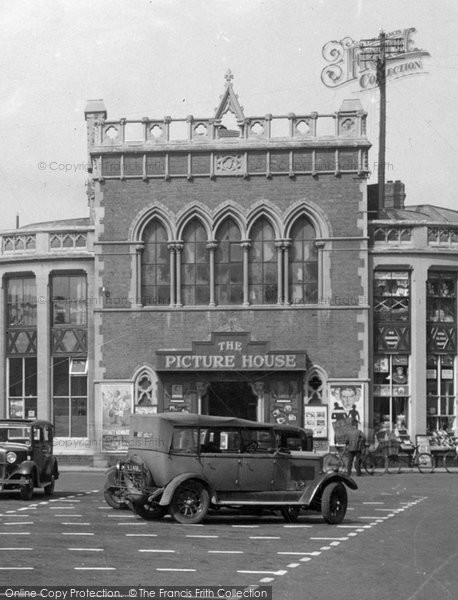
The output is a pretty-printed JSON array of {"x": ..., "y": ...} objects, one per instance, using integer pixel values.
[{"x": 228, "y": 270}]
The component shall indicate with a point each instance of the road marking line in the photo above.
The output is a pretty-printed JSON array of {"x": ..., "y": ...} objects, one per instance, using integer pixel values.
[
  {"x": 16, "y": 549},
  {"x": 246, "y": 526},
  {"x": 94, "y": 568},
  {"x": 354, "y": 526},
  {"x": 326, "y": 539},
  {"x": 14, "y": 533},
  {"x": 325, "y": 548},
  {"x": 66, "y": 516},
  {"x": 352, "y": 534},
  {"x": 305, "y": 559},
  {"x": 335, "y": 543},
  {"x": 86, "y": 549},
  {"x": 20, "y": 523},
  {"x": 141, "y": 534},
  {"x": 297, "y": 526},
  {"x": 122, "y": 516},
  {"x": 152, "y": 550},
  {"x": 225, "y": 552},
  {"x": 17, "y": 568},
  {"x": 202, "y": 536},
  {"x": 180, "y": 570},
  {"x": 131, "y": 524},
  {"x": 62, "y": 507},
  {"x": 293, "y": 565},
  {"x": 72, "y": 523},
  {"x": 265, "y": 537},
  {"x": 104, "y": 507},
  {"x": 266, "y": 579},
  {"x": 282, "y": 572},
  {"x": 385, "y": 509},
  {"x": 302, "y": 553},
  {"x": 76, "y": 533}
]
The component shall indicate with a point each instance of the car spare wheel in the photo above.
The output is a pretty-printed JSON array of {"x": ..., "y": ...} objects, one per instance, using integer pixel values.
[
  {"x": 190, "y": 502},
  {"x": 114, "y": 496},
  {"x": 334, "y": 503},
  {"x": 26, "y": 490}
]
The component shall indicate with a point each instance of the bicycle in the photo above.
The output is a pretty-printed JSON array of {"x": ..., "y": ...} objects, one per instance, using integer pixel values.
[
  {"x": 423, "y": 461},
  {"x": 337, "y": 462},
  {"x": 450, "y": 460}
]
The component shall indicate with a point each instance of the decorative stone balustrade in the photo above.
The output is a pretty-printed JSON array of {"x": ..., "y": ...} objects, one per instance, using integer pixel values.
[{"x": 44, "y": 242}]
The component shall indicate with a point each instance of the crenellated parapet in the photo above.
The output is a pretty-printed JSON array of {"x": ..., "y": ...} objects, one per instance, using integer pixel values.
[{"x": 229, "y": 143}]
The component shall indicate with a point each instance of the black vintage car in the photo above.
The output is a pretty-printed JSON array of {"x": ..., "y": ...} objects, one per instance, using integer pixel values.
[
  {"x": 186, "y": 464},
  {"x": 26, "y": 457}
]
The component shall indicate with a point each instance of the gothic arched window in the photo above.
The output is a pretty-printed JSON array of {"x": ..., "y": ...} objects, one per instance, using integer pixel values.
[
  {"x": 145, "y": 395},
  {"x": 228, "y": 264},
  {"x": 263, "y": 264},
  {"x": 195, "y": 265},
  {"x": 155, "y": 265},
  {"x": 303, "y": 263}
]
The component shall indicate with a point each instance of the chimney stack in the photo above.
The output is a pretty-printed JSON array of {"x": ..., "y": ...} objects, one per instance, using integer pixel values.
[{"x": 395, "y": 194}]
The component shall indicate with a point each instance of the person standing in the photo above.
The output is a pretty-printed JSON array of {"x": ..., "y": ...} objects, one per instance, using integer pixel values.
[{"x": 354, "y": 442}]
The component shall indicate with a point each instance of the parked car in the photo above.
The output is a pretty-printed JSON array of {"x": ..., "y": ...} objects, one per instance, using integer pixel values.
[
  {"x": 188, "y": 463},
  {"x": 26, "y": 457}
]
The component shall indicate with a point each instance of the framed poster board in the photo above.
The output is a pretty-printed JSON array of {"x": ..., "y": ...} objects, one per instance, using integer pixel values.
[
  {"x": 117, "y": 399},
  {"x": 423, "y": 443},
  {"x": 316, "y": 419}
]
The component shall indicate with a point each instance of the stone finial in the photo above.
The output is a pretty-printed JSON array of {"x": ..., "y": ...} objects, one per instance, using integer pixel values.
[{"x": 229, "y": 77}]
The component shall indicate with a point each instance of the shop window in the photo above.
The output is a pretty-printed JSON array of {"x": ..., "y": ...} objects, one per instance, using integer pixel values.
[
  {"x": 195, "y": 265},
  {"x": 391, "y": 296},
  {"x": 21, "y": 302},
  {"x": 303, "y": 264},
  {"x": 22, "y": 387},
  {"x": 155, "y": 288},
  {"x": 391, "y": 393},
  {"x": 228, "y": 265},
  {"x": 263, "y": 264},
  {"x": 69, "y": 299},
  {"x": 440, "y": 400},
  {"x": 69, "y": 399},
  {"x": 441, "y": 299}
]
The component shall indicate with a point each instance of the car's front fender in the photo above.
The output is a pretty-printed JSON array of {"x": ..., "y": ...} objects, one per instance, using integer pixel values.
[
  {"x": 315, "y": 488},
  {"x": 170, "y": 488},
  {"x": 26, "y": 469}
]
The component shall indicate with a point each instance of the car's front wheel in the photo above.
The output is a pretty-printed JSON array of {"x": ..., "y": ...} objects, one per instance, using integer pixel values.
[
  {"x": 190, "y": 503},
  {"x": 26, "y": 491},
  {"x": 334, "y": 503}
]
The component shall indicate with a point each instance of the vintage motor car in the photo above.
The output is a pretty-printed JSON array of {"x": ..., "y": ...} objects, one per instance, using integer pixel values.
[
  {"x": 186, "y": 464},
  {"x": 26, "y": 457}
]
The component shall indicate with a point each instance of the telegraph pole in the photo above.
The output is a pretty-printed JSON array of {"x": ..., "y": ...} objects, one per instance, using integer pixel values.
[
  {"x": 377, "y": 51},
  {"x": 381, "y": 82}
]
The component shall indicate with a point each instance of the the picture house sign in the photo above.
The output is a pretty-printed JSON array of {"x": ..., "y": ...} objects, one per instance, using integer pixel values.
[
  {"x": 345, "y": 65},
  {"x": 230, "y": 351}
]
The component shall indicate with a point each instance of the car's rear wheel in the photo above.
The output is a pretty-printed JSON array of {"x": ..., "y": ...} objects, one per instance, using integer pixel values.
[
  {"x": 148, "y": 510},
  {"x": 190, "y": 502},
  {"x": 49, "y": 489},
  {"x": 290, "y": 513},
  {"x": 334, "y": 503},
  {"x": 26, "y": 491}
]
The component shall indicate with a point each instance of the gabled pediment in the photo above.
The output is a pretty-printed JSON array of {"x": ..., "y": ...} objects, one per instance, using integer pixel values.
[{"x": 229, "y": 105}]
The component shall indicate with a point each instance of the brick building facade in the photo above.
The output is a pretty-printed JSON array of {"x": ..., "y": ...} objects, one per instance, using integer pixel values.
[{"x": 225, "y": 269}]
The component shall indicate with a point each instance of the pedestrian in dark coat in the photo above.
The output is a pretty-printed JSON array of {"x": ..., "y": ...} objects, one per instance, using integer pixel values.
[{"x": 355, "y": 441}]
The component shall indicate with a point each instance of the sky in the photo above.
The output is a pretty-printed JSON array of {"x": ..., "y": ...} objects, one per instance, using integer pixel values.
[{"x": 151, "y": 58}]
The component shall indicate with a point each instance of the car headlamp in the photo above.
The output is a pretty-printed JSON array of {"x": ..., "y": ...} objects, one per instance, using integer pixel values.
[{"x": 11, "y": 457}]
